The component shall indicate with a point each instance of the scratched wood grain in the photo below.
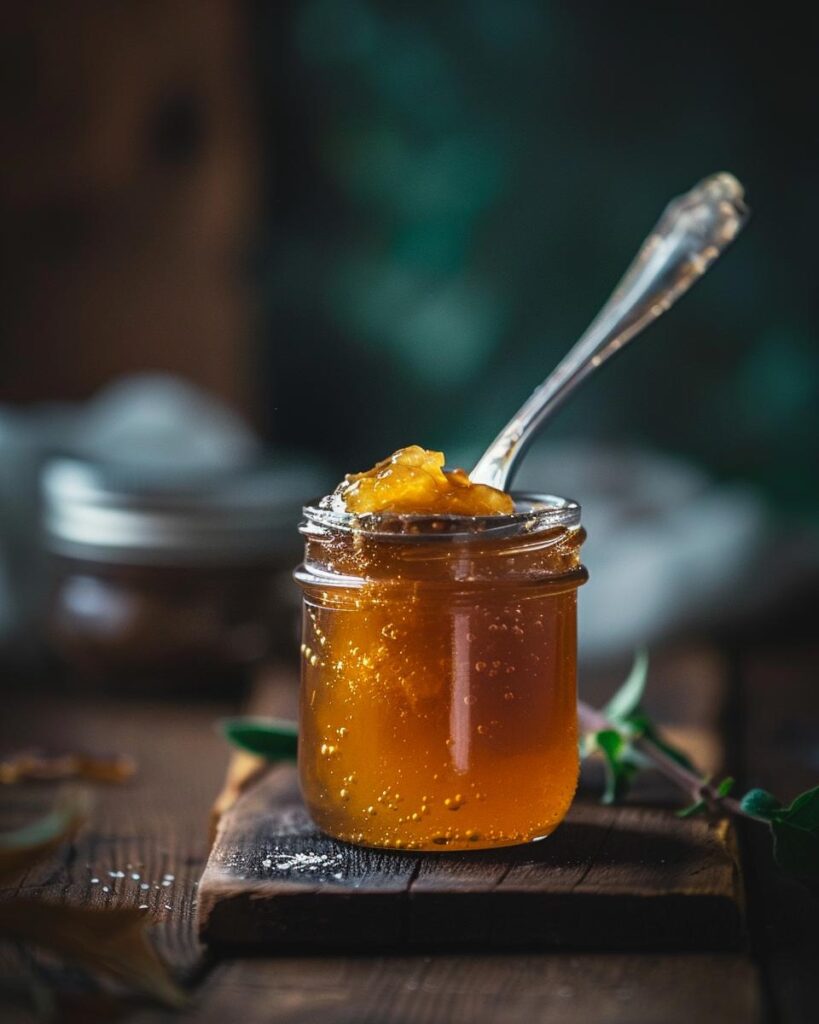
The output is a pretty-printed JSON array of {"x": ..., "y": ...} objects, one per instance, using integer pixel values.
[{"x": 158, "y": 822}]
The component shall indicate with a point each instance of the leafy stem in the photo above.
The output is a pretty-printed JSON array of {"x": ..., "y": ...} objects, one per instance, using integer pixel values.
[
  {"x": 628, "y": 740},
  {"x": 697, "y": 787}
]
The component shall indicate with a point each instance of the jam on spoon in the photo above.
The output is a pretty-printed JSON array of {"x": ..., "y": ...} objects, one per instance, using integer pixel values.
[{"x": 413, "y": 481}]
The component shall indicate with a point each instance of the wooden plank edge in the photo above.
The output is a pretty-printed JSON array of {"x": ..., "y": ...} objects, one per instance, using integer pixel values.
[{"x": 303, "y": 919}]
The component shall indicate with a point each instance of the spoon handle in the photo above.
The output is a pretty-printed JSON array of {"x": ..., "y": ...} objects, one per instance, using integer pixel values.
[{"x": 692, "y": 232}]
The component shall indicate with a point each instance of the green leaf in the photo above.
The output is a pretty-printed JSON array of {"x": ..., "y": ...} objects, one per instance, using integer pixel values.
[
  {"x": 620, "y": 765},
  {"x": 795, "y": 828},
  {"x": 796, "y": 849},
  {"x": 796, "y": 834},
  {"x": 725, "y": 787},
  {"x": 642, "y": 725},
  {"x": 759, "y": 803},
  {"x": 275, "y": 739},
  {"x": 610, "y": 742},
  {"x": 803, "y": 811},
  {"x": 627, "y": 699},
  {"x": 696, "y": 808},
  {"x": 624, "y": 711}
]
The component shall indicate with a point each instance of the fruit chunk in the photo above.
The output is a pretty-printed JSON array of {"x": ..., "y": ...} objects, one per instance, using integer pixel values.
[{"x": 413, "y": 480}]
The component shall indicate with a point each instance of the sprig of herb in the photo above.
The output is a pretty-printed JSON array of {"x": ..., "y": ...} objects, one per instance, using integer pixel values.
[{"x": 628, "y": 740}]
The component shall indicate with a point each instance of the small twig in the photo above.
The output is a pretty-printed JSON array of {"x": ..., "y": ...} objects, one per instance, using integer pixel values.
[{"x": 693, "y": 785}]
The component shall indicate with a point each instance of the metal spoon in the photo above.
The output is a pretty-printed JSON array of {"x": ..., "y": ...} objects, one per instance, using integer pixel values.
[{"x": 693, "y": 231}]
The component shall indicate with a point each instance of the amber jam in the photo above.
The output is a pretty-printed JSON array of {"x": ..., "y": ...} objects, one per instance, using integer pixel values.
[
  {"x": 414, "y": 481},
  {"x": 438, "y": 706}
]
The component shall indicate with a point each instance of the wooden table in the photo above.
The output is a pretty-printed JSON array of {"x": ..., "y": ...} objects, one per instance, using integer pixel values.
[{"x": 157, "y": 825}]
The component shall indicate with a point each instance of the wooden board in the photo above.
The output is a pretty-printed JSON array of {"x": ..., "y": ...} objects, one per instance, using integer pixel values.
[
  {"x": 632, "y": 877},
  {"x": 624, "y": 878},
  {"x": 480, "y": 988},
  {"x": 158, "y": 822}
]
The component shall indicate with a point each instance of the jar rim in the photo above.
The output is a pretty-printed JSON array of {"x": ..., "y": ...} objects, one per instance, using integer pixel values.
[{"x": 534, "y": 513}]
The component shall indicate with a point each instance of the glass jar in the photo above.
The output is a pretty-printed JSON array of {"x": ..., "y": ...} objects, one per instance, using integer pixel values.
[
  {"x": 170, "y": 585},
  {"x": 438, "y": 700}
]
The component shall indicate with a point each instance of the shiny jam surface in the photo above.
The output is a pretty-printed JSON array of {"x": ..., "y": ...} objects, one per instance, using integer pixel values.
[
  {"x": 438, "y": 706},
  {"x": 414, "y": 481}
]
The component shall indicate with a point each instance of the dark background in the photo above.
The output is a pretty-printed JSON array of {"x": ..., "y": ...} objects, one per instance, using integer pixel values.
[{"x": 367, "y": 224}]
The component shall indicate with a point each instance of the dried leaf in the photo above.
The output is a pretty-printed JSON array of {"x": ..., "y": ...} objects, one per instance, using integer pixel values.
[
  {"x": 41, "y": 767},
  {"x": 24, "y": 847},
  {"x": 244, "y": 770},
  {"x": 111, "y": 942}
]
